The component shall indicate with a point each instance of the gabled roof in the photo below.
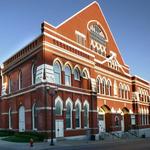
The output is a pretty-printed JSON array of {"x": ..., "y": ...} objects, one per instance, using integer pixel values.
[{"x": 79, "y": 22}]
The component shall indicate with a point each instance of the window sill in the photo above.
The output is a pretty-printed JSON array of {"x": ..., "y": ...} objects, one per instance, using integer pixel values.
[{"x": 68, "y": 128}]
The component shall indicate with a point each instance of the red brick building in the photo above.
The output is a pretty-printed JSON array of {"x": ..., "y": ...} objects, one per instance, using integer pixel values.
[{"x": 76, "y": 70}]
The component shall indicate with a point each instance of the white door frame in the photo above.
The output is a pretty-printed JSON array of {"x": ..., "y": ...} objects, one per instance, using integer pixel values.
[
  {"x": 122, "y": 122},
  {"x": 102, "y": 127},
  {"x": 59, "y": 128},
  {"x": 21, "y": 119}
]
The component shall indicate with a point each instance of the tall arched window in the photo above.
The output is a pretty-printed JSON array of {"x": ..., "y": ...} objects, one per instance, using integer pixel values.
[
  {"x": 120, "y": 91},
  {"x": 20, "y": 80},
  {"x": 9, "y": 85},
  {"x": 98, "y": 85},
  {"x": 58, "y": 108},
  {"x": 33, "y": 74},
  {"x": 108, "y": 87},
  {"x": 103, "y": 86},
  {"x": 67, "y": 76},
  {"x": 68, "y": 115},
  {"x": 78, "y": 116},
  {"x": 126, "y": 92},
  {"x": 123, "y": 91},
  {"x": 57, "y": 72},
  {"x": 34, "y": 117},
  {"x": 76, "y": 74},
  {"x": 10, "y": 118},
  {"x": 86, "y": 115}
]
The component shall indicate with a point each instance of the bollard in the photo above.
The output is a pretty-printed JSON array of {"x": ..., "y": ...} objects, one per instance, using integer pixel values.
[{"x": 31, "y": 142}]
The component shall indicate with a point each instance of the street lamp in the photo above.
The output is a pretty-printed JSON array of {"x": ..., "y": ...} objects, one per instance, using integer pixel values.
[{"x": 52, "y": 92}]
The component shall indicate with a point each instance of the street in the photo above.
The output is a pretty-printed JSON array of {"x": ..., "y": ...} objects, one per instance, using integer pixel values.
[{"x": 136, "y": 144}]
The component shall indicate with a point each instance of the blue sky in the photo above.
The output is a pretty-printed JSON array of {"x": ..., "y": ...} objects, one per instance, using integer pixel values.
[{"x": 129, "y": 21}]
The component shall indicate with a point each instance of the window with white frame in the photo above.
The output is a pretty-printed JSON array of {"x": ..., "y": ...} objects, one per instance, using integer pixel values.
[
  {"x": 98, "y": 85},
  {"x": 103, "y": 86},
  {"x": 68, "y": 115},
  {"x": 85, "y": 74},
  {"x": 80, "y": 38},
  {"x": 108, "y": 88},
  {"x": 57, "y": 72},
  {"x": 10, "y": 118},
  {"x": 58, "y": 108},
  {"x": 67, "y": 75},
  {"x": 78, "y": 116},
  {"x": 9, "y": 85},
  {"x": 33, "y": 71},
  {"x": 86, "y": 115},
  {"x": 76, "y": 74},
  {"x": 98, "y": 39},
  {"x": 20, "y": 80},
  {"x": 34, "y": 117},
  {"x": 133, "y": 121},
  {"x": 120, "y": 91}
]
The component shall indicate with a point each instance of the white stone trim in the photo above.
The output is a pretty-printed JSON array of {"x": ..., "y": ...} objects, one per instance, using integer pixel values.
[
  {"x": 117, "y": 100},
  {"x": 53, "y": 37},
  {"x": 59, "y": 49}
]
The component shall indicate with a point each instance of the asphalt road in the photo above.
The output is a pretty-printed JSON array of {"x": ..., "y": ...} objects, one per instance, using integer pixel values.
[
  {"x": 137, "y": 144},
  {"x": 124, "y": 145}
]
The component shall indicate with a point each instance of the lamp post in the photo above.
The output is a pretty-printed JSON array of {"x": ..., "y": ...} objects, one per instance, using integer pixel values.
[{"x": 52, "y": 93}]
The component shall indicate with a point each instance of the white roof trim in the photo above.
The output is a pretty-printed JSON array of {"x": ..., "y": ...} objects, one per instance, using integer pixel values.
[
  {"x": 76, "y": 14},
  {"x": 141, "y": 78}
]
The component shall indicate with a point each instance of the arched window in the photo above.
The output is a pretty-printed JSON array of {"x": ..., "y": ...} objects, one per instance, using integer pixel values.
[
  {"x": 9, "y": 85},
  {"x": 58, "y": 108},
  {"x": 85, "y": 74},
  {"x": 126, "y": 92},
  {"x": 57, "y": 73},
  {"x": 10, "y": 118},
  {"x": 68, "y": 115},
  {"x": 20, "y": 80},
  {"x": 67, "y": 76},
  {"x": 86, "y": 115},
  {"x": 76, "y": 74},
  {"x": 78, "y": 116},
  {"x": 33, "y": 74},
  {"x": 108, "y": 87},
  {"x": 103, "y": 86},
  {"x": 98, "y": 85},
  {"x": 34, "y": 117},
  {"x": 120, "y": 91}
]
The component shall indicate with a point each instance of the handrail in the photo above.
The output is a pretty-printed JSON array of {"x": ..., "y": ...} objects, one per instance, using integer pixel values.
[
  {"x": 135, "y": 134},
  {"x": 110, "y": 133}
]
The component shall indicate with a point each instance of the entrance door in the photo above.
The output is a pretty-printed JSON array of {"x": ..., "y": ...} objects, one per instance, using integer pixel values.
[
  {"x": 59, "y": 128},
  {"x": 122, "y": 123},
  {"x": 102, "y": 123},
  {"x": 21, "y": 119}
]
